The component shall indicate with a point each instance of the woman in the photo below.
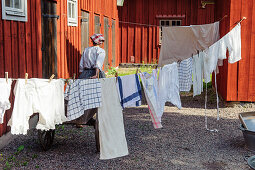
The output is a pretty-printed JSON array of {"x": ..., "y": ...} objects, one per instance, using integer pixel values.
[
  {"x": 91, "y": 64},
  {"x": 92, "y": 59}
]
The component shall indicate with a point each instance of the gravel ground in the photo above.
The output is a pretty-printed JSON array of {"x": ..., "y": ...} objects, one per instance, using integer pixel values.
[{"x": 182, "y": 143}]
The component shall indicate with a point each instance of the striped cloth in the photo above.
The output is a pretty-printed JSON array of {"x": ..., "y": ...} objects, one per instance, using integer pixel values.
[
  {"x": 82, "y": 95},
  {"x": 185, "y": 74},
  {"x": 129, "y": 89}
]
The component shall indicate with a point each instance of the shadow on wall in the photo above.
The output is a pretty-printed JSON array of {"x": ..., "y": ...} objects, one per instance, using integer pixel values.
[{"x": 73, "y": 56}]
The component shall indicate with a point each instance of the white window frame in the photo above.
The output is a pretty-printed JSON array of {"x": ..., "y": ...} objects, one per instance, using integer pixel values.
[
  {"x": 72, "y": 21},
  {"x": 15, "y": 14},
  {"x": 171, "y": 24}
]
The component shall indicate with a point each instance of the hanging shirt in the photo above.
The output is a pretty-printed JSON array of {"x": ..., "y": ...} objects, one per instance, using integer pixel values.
[
  {"x": 129, "y": 90},
  {"x": 150, "y": 87},
  {"x": 112, "y": 138},
  {"x": 5, "y": 90},
  {"x": 37, "y": 96},
  {"x": 231, "y": 42},
  {"x": 168, "y": 87},
  {"x": 180, "y": 43},
  {"x": 92, "y": 57},
  {"x": 198, "y": 67},
  {"x": 82, "y": 94},
  {"x": 185, "y": 74}
]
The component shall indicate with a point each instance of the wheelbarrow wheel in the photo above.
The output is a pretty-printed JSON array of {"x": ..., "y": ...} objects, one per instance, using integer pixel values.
[{"x": 46, "y": 138}]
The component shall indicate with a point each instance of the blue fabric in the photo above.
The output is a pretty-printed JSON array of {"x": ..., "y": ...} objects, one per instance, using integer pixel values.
[{"x": 134, "y": 95}]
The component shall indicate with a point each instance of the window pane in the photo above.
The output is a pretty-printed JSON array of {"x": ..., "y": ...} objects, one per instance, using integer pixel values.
[
  {"x": 162, "y": 23},
  {"x": 8, "y": 3},
  {"x": 69, "y": 10},
  {"x": 167, "y": 23},
  {"x": 173, "y": 23},
  {"x": 17, "y": 4},
  {"x": 179, "y": 23},
  {"x": 73, "y": 11}
]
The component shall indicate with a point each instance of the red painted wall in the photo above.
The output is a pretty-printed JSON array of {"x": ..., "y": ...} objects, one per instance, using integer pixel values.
[
  {"x": 237, "y": 81},
  {"x": 143, "y": 41},
  {"x": 21, "y": 42}
]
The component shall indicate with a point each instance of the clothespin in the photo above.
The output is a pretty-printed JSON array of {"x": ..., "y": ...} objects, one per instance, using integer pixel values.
[
  {"x": 26, "y": 77},
  {"x": 116, "y": 75},
  {"x": 243, "y": 19},
  {"x": 74, "y": 77},
  {"x": 98, "y": 75},
  {"x": 51, "y": 77},
  {"x": 6, "y": 77}
]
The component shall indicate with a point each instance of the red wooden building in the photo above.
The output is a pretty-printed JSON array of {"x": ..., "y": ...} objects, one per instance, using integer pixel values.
[
  {"x": 140, "y": 35},
  {"x": 42, "y": 37}
]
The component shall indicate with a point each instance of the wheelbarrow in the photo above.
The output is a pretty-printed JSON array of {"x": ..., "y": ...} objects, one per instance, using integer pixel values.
[{"x": 46, "y": 138}]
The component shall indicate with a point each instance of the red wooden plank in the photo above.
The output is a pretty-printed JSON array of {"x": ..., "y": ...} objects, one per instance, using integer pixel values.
[
  {"x": 2, "y": 67},
  {"x": 251, "y": 89},
  {"x": 233, "y": 68},
  {"x": 21, "y": 47},
  {"x": 244, "y": 63},
  {"x": 29, "y": 67},
  {"x": 38, "y": 28},
  {"x": 34, "y": 36}
]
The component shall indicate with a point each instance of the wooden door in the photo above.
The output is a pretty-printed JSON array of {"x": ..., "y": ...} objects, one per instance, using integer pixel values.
[
  {"x": 113, "y": 44},
  {"x": 49, "y": 38},
  {"x": 84, "y": 30},
  {"x": 97, "y": 25},
  {"x": 106, "y": 42}
]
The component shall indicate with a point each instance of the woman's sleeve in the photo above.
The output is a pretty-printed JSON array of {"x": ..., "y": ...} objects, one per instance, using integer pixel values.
[
  {"x": 81, "y": 67},
  {"x": 100, "y": 59}
]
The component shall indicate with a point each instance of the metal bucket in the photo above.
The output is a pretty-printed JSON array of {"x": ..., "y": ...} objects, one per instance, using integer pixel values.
[{"x": 249, "y": 138}]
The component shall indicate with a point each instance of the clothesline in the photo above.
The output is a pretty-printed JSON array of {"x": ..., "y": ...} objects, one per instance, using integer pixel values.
[{"x": 150, "y": 25}]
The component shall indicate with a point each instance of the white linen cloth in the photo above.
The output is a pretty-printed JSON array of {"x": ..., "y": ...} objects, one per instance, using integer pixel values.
[
  {"x": 129, "y": 90},
  {"x": 168, "y": 87},
  {"x": 82, "y": 94},
  {"x": 5, "y": 90},
  {"x": 92, "y": 57},
  {"x": 231, "y": 42},
  {"x": 198, "y": 67},
  {"x": 150, "y": 87},
  {"x": 185, "y": 74},
  {"x": 180, "y": 43},
  {"x": 37, "y": 96},
  {"x": 112, "y": 138}
]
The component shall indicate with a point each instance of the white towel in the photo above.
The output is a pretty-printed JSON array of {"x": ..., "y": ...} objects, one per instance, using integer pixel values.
[
  {"x": 198, "y": 67},
  {"x": 169, "y": 87},
  {"x": 129, "y": 90},
  {"x": 112, "y": 138},
  {"x": 150, "y": 86},
  {"x": 5, "y": 90}
]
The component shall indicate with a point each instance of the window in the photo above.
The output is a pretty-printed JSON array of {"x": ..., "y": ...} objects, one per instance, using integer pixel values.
[
  {"x": 72, "y": 13},
  {"x": 14, "y": 10},
  {"x": 167, "y": 23}
]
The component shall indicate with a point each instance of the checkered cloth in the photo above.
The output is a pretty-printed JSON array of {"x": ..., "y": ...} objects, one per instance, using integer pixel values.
[
  {"x": 97, "y": 38},
  {"x": 185, "y": 74},
  {"x": 82, "y": 95}
]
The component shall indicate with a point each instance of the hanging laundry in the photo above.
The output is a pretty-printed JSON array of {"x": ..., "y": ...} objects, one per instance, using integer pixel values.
[
  {"x": 168, "y": 87},
  {"x": 180, "y": 43},
  {"x": 82, "y": 94},
  {"x": 5, "y": 90},
  {"x": 198, "y": 67},
  {"x": 37, "y": 96},
  {"x": 129, "y": 90},
  {"x": 185, "y": 74},
  {"x": 112, "y": 138},
  {"x": 150, "y": 86},
  {"x": 231, "y": 42}
]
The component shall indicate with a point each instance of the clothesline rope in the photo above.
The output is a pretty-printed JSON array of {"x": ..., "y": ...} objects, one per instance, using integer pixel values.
[{"x": 150, "y": 25}]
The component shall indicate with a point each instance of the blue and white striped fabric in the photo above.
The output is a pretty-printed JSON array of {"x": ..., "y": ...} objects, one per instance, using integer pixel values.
[
  {"x": 185, "y": 74},
  {"x": 129, "y": 89},
  {"x": 82, "y": 95}
]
